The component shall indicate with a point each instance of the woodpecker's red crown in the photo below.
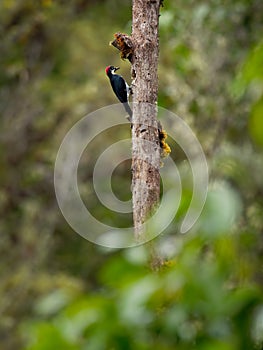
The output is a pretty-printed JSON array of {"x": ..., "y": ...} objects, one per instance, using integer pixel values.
[{"x": 107, "y": 69}]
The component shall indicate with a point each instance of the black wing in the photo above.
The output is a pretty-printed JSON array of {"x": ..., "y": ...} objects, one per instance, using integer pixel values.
[{"x": 119, "y": 87}]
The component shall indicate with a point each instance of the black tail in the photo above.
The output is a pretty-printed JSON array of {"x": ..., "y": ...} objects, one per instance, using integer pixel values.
[{"x": 128, "y": 110}]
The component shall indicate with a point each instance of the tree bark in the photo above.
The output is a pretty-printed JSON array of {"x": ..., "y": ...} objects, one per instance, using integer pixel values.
[{"x": 145, "y": 141}]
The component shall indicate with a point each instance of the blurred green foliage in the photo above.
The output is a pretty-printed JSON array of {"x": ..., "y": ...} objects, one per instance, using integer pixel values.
[{"x": 204, "y": 291}]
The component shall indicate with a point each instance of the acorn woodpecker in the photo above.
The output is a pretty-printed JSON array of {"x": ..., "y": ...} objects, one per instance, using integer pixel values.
[{"x": 120, "y": 88}]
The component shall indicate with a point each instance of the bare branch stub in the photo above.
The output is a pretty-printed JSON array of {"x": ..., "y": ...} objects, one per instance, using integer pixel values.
[{"x": 123, "y": 43}]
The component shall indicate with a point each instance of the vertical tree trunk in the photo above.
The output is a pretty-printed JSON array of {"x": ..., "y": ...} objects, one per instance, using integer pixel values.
[{"x": 145, "y": 142}]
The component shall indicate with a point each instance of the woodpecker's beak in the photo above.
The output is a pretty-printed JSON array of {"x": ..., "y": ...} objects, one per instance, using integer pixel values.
[{"x": 116, "y": 68}]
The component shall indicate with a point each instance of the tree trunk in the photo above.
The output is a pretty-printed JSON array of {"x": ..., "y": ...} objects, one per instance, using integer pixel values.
[{"x": 145, "y": 142}]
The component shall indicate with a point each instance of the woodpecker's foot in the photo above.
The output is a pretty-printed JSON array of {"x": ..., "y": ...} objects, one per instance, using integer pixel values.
[{"x": 130, "y": 90}]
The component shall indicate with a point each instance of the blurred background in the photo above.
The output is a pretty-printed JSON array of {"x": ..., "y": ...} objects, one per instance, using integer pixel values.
[{"x": 59, "y": 291}]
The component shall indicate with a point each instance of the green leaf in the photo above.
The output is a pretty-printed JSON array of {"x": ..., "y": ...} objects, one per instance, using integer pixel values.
[{"x": 48, "y": 337}]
